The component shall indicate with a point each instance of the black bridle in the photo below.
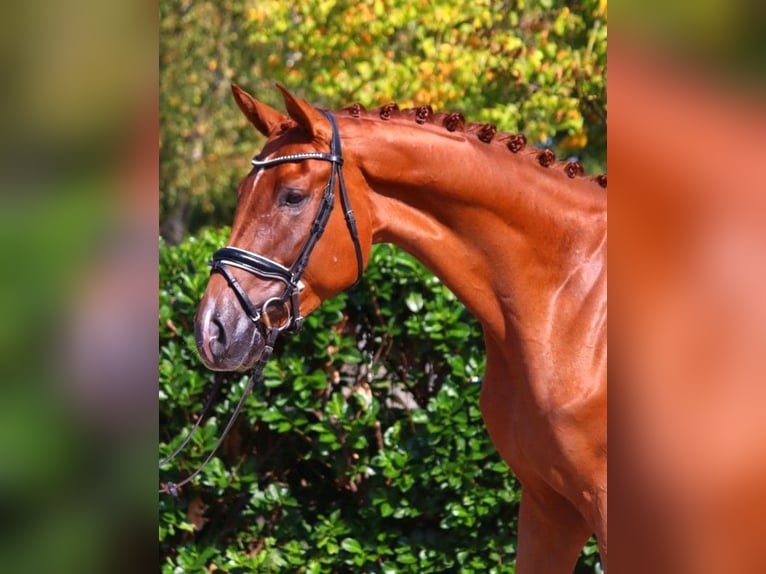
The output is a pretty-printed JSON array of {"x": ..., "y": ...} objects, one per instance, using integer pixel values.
[
  {"x": 266, "y": 268},
  {"x": 274, "y": 315}
]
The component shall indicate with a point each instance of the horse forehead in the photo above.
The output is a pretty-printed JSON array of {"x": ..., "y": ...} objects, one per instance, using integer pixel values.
[
  {"x": 291, "y": 140},
  {"x": 256, "y": 180},
  {"x": 268, "y": 178},
  {"x": 276, "y": 149}
]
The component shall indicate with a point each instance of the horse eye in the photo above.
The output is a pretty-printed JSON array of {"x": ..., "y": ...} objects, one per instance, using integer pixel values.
[{"x": 293, "y": 198}]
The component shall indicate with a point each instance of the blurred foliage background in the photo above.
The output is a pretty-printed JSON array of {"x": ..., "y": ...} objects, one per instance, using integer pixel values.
[
  {"x": 537, "y": 67},
  {"x": 364, "y": 449}
]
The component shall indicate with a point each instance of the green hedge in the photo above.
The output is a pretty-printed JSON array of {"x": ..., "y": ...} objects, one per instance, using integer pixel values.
[{"x": 362, "y": 451}]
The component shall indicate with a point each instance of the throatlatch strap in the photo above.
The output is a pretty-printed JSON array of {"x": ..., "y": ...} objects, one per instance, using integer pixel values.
[{"x": 348, "y": 212}]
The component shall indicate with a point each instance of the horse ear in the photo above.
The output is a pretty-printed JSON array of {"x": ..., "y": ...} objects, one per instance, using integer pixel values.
[
  {"x": 264, "y": 118},
  {"x": 307, "y": 116}
]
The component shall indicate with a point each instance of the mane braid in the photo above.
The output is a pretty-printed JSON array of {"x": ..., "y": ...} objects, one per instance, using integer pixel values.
[{"x": 484, "y": 132}]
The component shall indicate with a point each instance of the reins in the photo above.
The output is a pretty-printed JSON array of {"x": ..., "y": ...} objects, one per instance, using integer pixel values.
[
  {"x": 275, "y": 315},
  {"x": 172, "y": 487}
]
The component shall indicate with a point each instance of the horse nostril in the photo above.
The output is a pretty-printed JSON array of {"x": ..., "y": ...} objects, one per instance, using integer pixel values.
[{"x": 216, "y": 338}]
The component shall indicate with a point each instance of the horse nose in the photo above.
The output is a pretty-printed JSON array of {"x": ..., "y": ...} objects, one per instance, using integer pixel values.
[
  {"x": 216, "y": 338},
  {"x": 210, "y": 337},
  {"x": 226, "y": 338}
]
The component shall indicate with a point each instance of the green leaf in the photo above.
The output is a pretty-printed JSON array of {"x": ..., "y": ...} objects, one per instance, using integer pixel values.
[
  {"x": 414, "y": 301},
  {"x": 351, "y": 545}
]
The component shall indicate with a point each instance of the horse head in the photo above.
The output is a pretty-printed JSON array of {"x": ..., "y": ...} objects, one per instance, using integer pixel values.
[{"x": 293, "y": 244}]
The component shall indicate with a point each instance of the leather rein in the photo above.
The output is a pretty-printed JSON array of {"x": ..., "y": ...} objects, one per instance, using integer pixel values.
[{"x": 282, "y": 313}]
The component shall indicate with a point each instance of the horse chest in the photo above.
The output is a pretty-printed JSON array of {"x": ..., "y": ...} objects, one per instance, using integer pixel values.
[{"x": 538, "y": 443}]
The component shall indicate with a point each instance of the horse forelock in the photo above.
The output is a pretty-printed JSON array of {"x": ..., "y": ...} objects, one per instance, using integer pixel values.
[{"x": 484, "y": 132}]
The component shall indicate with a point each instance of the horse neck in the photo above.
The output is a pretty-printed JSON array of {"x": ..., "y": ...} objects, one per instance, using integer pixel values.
[{"x": 505, "y": 234}]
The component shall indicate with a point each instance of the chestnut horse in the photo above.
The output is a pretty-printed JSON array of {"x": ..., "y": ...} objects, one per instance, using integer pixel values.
[{"x": 519, "y": 238}]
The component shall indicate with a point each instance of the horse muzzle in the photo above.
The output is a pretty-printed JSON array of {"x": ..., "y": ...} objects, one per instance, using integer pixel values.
[{"x": 227, "y": 340}]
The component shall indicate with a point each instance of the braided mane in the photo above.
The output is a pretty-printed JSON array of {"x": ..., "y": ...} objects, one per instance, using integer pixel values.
[{"x": 487, "y": 133}]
